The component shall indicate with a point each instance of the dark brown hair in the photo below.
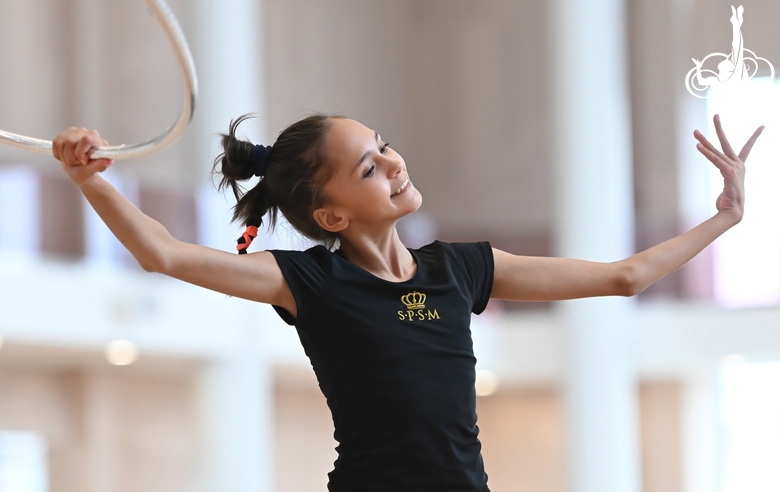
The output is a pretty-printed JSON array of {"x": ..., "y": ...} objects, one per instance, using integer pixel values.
[{"x": 297, "y": 170}]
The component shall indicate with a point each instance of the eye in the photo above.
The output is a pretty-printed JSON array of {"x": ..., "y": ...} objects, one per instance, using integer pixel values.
[
  {"x": 383, "y": 149},
  {"x": 370, "y": 172}
]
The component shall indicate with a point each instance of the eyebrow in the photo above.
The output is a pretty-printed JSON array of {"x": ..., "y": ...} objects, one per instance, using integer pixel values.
[{"x": 363, "y": 158}]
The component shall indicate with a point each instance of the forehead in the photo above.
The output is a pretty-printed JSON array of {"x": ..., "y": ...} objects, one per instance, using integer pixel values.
[{"x": 348, "y": 140}]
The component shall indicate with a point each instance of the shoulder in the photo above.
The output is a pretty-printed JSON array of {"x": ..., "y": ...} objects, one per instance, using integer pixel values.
[
  {"x": 316, "y": 255},
  {"x": 464, "y": 253},
  {"x": 305, "y": 271},
  {"x": 470, "y": 264}
]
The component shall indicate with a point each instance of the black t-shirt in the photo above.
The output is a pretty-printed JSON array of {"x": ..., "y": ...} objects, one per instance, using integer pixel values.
[{"x": 396, "y": 364}]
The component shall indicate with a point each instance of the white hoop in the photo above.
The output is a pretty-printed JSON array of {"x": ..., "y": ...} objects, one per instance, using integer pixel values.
[{"x": 172, "y": 30}]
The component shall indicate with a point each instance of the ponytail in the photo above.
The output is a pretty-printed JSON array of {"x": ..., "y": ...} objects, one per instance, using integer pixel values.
[
  {"x": 240, "y": 161},
  {"x": 292, "y": 173}
]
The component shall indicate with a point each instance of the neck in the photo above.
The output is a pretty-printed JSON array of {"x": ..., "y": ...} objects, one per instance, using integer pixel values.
[{"x": 381, "y": 254}]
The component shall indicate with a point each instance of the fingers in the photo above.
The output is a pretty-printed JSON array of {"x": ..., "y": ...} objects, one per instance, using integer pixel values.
[
  {"x": 84, "y": 145},
  {"x": 728, "y": 155},
  {"x": 74, "y": 145},
  {"x": 743, "y": 154},
  {"x": 55, "y": 149},
  {"x": 99, "y": 165},
  {"x": 707, "y": 145},
  {"x": 724, "y": 142},
  {"x": 68, "y": 147},
  {"x": 714, "y": 157},
  {"x": 59, "y": 142},
  {"x": 102, "y": 164}
]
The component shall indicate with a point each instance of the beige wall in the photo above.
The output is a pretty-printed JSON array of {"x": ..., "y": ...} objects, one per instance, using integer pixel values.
[
  {"x": 521, "y": 430},
  {"x": 32, "y": 92},
  {"x": 522, "y": 440},
  {"x": 460, "y": 88},
  {"x": 304, "y": 450},
  {"x": 660, "y": 405},
  {"x": 135, "y": 429},
  {"x": 457, "y": 87},
  {"x": 127, "y": 429},
  {"x": 92, "y": 63}
]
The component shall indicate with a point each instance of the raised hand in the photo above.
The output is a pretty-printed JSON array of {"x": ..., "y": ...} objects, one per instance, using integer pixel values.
[
  {"x": 73, "y": 148},
  {"x": 732, "y": 168}
]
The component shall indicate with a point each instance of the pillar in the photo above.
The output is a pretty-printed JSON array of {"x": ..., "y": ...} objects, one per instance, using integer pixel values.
[
  {"x": 228, "y": 52},
  {"x": 702, "y": 461},
  {"x": 235, "y": 390},
  {"x": 594, "y": 221},
  {"x": 236, "y": 406}
]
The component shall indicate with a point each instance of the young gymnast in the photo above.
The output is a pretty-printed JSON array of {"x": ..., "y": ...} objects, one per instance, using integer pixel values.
[{"x": 386, "y": 328}]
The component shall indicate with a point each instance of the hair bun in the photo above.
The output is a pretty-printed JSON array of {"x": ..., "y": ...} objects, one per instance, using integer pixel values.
[{"x": 259, "y": 158}]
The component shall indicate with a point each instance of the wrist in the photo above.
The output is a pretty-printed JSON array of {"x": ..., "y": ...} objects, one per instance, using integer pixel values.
[
  {"x": 730, "y": 217},
  {"x": 90, "y": 182}
]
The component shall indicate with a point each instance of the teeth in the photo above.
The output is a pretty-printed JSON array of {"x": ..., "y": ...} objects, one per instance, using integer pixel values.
[{"x": 401, "y": 188}]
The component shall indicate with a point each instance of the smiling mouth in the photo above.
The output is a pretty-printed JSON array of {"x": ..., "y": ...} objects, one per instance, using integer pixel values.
[{"x": 402, "y": 187}]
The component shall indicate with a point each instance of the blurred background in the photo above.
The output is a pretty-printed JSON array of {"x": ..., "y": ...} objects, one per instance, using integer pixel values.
[{"x": 547, "y": 128}]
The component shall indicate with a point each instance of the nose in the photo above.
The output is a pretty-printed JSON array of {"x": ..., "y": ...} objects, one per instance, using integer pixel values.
[{"x": 395, "y": 165}]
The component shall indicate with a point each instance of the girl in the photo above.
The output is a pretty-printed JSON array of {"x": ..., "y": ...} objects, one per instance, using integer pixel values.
[{"x": 386, "y": 328}]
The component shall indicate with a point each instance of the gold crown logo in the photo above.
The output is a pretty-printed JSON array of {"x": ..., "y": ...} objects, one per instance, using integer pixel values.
[{"x": 414, "y": 300}]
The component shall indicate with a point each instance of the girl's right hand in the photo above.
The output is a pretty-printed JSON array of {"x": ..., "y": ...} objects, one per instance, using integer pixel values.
[{"x": 73, "y": 148}]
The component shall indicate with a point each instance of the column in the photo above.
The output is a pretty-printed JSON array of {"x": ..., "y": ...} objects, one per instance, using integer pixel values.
[
  {"x": 228, "y": 52},
  {"x": 100, "y": 433},
  {"x": 20, "y": 223},
  {"x": 594, "y": 221},
  {"x": 236, "y": 413},
  {"x": 236, "y": 391},
  {"x": 695, "y": 199},
  {"x": 702, "y": 446}
]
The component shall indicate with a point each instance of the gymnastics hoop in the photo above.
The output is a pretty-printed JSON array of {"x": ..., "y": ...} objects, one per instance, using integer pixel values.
[{"x": 172, "y": 30}]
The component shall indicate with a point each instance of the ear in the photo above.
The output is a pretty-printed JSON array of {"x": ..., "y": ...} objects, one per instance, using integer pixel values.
[{"x": 329, "y": 220}]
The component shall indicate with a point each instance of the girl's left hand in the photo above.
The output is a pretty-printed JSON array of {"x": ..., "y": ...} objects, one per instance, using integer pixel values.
[{"x": 732, "y": 167}]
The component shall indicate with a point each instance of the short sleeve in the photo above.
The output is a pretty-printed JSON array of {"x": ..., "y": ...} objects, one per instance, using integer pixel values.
[
  {"x": 477, "y": 259},
  {"x": 306, "y": 273}
]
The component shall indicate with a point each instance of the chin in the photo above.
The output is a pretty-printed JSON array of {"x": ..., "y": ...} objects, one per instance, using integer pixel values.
[
  {"x": 409, "y": 210},
  {"x": 416, "y": 204}
]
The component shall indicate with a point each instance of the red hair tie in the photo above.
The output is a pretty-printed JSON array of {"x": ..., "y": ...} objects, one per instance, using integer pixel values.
[{"x": 246, "y": 239}]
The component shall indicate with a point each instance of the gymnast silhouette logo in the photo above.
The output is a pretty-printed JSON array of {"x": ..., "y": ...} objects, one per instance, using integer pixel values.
[{"x": 741, "y": 64}]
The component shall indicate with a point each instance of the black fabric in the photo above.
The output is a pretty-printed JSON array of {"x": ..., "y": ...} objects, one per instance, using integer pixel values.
[{"x": 396, "y": 364}]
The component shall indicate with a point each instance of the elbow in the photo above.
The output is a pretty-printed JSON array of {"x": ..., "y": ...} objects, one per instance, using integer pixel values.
[
  {"x": 154, "y": 252},
  {"x": 627, "y": 281},
  {"x": 156, "y": 262},
  {"x": 151, "y": 265}
]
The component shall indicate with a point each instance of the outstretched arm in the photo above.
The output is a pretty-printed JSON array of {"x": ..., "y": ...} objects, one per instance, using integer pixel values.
[
  {"x": 523, "y": 278},
  {"x": 256, "y": 276},
  {"x": 700, "y": 79}
]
